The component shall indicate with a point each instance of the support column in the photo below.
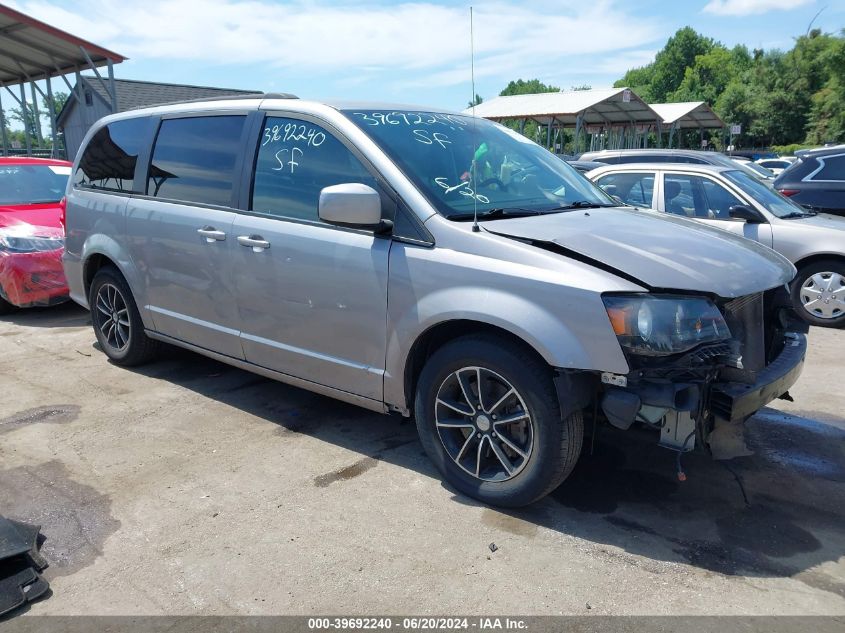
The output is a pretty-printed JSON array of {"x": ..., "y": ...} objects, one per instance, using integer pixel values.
[
  {"x": 112, "y": 89},
  {"x": 36, "y": 115},
  {"x": 51, "y": 104},
  {"x": 3, "y": 127},
  {"x": 25, "y": 117}
]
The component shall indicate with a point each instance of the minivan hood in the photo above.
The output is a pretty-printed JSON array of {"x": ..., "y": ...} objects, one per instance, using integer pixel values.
[{"x": 660, "y": 251}]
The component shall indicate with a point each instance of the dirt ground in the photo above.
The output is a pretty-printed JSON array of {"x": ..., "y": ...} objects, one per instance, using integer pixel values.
[{"x": 188, "y": 487}]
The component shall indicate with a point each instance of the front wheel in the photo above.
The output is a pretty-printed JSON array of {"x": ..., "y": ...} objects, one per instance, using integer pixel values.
[
  {"x": 5, "y": 306},
  {"x": 488, "y": 417},
  {"x": 818, "y": 293},
  {"x": 116, "y": 320}
]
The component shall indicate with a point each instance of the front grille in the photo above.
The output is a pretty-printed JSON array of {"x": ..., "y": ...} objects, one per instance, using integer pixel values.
[{"x": 745, "y": 318}]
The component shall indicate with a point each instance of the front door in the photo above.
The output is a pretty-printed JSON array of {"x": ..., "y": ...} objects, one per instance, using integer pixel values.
[
  {"x": 709, "y": 201},
  {"x": 312, "y": 297}
]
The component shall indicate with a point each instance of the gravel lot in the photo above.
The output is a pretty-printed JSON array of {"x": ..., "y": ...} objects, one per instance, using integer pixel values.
[{"x": 188, "y": 487}]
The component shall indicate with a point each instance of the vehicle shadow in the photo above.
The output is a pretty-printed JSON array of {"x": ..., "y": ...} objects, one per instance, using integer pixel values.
[
  {"x": 778, "y": 513},
  {"x": 67, "y": 314}
]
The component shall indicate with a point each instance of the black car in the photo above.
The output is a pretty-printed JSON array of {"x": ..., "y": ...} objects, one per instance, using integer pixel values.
[{"x": 816, "y": 180}]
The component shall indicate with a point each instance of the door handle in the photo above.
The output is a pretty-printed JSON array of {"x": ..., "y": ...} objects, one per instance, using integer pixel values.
[
  {"x": 255, "y": 242},
  {"x": 211, "y": 234}
]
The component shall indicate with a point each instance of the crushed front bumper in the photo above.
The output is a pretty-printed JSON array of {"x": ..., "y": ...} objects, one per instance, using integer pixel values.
[
  {"x": 734, "y": 401},
  {"x": 32, "y": 279}
]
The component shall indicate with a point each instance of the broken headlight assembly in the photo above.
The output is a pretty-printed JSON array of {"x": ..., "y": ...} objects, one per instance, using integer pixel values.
[{"x": 655, "y": 325}]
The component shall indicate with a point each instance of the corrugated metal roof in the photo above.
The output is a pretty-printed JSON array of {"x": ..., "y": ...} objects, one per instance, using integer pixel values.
[
  {"x": 617, "y": 106},
  {"x": 688, "y": 114},
  {"x": 132, "y": 95},
  {"x": 30, "y": 49}
]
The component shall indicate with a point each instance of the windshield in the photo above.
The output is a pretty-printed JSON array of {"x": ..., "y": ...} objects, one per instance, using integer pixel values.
[
  {"x": 775, "y": 203},
  {"x": 764, "y": 173},
  {"x": 463, "y": 163},
  {"x": 32, "y": 184},
  {"x": 727, "y": 161}
]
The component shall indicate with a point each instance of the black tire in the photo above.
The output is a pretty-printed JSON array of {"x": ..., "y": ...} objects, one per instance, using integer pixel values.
[
  {"x": 6, "y": 307},
  {"x": 556, "y": 442},
  {"x": 823, "y": 268},
  {"x": 133, "y": 346}
]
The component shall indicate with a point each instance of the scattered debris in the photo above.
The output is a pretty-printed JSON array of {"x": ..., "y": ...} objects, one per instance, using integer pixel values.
[
  {"x": 589, "y": 606},
  {"x": 492, "y": 547},
  {"x": 20, "y": 565},
  {"x": 83, "y": 354}
]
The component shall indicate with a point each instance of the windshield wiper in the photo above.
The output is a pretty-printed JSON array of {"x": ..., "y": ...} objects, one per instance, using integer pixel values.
[
  {"x": 582, "y": 204},
  {"x": 496, "y": 214}
]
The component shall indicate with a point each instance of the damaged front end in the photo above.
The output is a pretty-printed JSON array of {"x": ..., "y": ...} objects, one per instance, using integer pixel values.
[
  {"x": 698, "y": 367},
  {"x": 31, "y": 272}
]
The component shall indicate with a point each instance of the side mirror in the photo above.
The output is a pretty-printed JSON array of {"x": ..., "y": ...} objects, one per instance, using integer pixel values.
[
  {"x": 744, "y": 212},
  {"x": 354, "y": 205}
]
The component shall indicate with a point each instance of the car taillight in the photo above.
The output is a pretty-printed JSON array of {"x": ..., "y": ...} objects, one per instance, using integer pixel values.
[
  {"x": 63, "y": 214},
  {"x": 788, "y": 192}
]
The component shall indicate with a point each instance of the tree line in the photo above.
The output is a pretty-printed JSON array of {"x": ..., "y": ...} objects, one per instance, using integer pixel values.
[{"x": 778, "y": 97}]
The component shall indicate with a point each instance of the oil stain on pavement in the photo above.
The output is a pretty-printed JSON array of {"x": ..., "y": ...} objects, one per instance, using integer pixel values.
[
  {"x": 52, "y": 414},
  {"x": 75, "y": 518}
]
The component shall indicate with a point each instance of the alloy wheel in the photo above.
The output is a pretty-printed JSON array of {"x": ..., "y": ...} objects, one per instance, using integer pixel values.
[
  {"x": 112, "y": 316},
  {"x": 483, "y": 424}
]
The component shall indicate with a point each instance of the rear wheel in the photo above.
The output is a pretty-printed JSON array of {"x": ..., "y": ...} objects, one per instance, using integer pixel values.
[
  {"x": 818, "y": 293},
  {"x": 488, "y": 417},
  {"x": 116, "y": 320}
]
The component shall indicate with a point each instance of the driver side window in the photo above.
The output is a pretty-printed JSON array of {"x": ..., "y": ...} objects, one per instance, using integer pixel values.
[{"x": 296, "y": 160}]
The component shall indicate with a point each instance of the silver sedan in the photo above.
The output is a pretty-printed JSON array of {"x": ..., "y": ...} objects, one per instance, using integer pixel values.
[{"x": 731, "y": 200}]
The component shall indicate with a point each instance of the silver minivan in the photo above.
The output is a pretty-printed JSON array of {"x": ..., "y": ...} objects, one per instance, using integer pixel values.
[{"x": 427, "y": 263}]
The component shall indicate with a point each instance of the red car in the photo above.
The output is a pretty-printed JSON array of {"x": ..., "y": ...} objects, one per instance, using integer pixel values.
[{"x": 31, "y": 232}]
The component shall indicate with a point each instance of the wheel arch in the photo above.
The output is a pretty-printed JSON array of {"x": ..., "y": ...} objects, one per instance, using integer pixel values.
[{"x": 445, "y": 332}]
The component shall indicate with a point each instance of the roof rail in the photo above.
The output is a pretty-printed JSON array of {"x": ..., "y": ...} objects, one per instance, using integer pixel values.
[{"x": 230, "y": 97}]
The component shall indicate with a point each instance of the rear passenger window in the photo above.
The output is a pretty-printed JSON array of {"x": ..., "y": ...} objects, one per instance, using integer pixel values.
[
  {"x": 296, "y": 159},
  {"x": 194, "y": 159},
  {"x": 632, "y": 188},
  {"x": 833, "y": 168},
  {"x": 111, "y": 155}
]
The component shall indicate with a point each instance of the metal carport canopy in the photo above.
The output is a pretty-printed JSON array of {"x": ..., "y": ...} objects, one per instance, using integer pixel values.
[
  {"x": 602, "y": 106},
  {"x": 32, "y": 50},
  {"x": 688, "y": 114}
]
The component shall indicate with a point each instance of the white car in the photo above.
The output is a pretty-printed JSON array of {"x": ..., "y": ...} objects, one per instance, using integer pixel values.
[
  {"x": 776, "y": 165},
  {"x": 732, "y": 200}
]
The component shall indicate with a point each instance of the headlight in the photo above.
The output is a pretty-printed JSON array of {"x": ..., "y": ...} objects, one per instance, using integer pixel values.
[
  {"x": 652, "y": 325},
  {"x": 29, "y": 244}
]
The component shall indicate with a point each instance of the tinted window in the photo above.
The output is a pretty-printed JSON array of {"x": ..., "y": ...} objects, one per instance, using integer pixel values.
[
  {"x": 194, "y": 159},
  {"x": 635, "y": 189},
  {"x": 296, "y": 160},
  {"x": 111, "y": 155},
  {"x": 833, "y": 169}
]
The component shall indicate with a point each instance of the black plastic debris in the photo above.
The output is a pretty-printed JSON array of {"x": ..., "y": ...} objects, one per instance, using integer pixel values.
[
  {"x": 20, "y": 565},
  {"x": 492, "y": 547}
]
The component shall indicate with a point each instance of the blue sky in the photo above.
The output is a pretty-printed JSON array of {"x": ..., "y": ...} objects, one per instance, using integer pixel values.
[{"x": 412, "y": 52}]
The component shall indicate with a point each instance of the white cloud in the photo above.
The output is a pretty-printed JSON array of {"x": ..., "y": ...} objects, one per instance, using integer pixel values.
[
  {"x": 751, "y": 7},
  {"x": 416, "y": 42}
]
